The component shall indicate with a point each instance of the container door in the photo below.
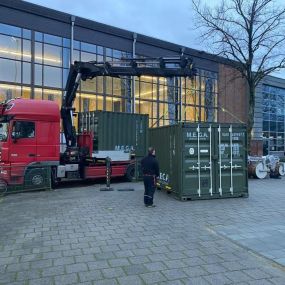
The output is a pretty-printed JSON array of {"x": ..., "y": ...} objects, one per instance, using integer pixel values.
[
  {"x": 198, "y": 161},
  {"x": 231, "y": 163}
]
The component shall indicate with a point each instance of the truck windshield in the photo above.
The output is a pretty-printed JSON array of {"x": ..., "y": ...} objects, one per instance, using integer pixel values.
[{"x": 3, "y": 131}]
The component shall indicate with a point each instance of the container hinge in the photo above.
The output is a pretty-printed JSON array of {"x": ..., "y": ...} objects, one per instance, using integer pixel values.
[{"x": 221, "y": 191}]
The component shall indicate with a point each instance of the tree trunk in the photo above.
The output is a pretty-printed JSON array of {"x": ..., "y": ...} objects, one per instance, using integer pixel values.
[{"x": 250, "y": 120}]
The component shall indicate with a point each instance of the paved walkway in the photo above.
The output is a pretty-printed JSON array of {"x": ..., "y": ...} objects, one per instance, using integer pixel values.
[{"x": 83, "y": 236}]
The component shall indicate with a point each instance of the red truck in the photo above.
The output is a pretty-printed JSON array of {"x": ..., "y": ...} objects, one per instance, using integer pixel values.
[{"x": 30, "y": 129}]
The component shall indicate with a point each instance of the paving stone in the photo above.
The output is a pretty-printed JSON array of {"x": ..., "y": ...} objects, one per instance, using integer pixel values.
[
  {"x": 195, "y": 271},
  {"x": 256, "y": 273},
  {"x": 175, "y": 263},
  {"x": 118, "y": 262},
  {"x": 127, "y": 280},
  {"x": 98, "y": 264},
  {"x": 42, "y": 281},
  {"x": 153, "y": 277},
  {"x": 77, "y": 267},
  {"x": 113, "y": 272},
  {"x": 214, "y": 268},
  {"x": 260, "y": 282},
  {"x": 93, "y": 275},
  {"x": 219, "y": 279},
  {"x": 155, "y": 266},
  {"x": 107, "y": 282},
  {"x": 238, "y": 276},
  {"x": 66, "y": 279},
  {"x": 135, "y": 269},
  {"x": 53, "y": 271},
  {"x": 85, "y": 258},
  {"x": 63, "y": 261},
  {"x": 196, "y": 281},
  {"x": 173, "y": 274},
  {"x": 18, "y": 267},
  {"x": 139, "y": 259}
]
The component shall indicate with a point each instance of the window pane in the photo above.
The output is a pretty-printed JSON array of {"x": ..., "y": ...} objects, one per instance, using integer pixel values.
[
  {"x": 52, "y": 55},
  {"x": 52, "y": 76},
  {"x": 66, "y": 57},
  {"x": 27, "y": 34},
  {"x": 52, "y": 95},
  {"x": 26, "y": 73},
  {"x": 27, "y": 50},
  {"x": 10, "y": 47},
  {"x": 8, "y": 92},
  {"x": 66, "y": 42},
  {"x": 52, "y": 39},
  {"x": 39, "y": 36},
  {"x": 10, "y": 70},
  {"x": 38, "y": 52},
  {"x": 76, "y": 44},
  {"x": 38, "y": 74},
  {"x": 100, "y": 50},
  {"x": 65, "y": 75},
  {"x": 85, "y": 56},
  {"x": 10, "y": 30},
  {"x": 88, "y": 47}
]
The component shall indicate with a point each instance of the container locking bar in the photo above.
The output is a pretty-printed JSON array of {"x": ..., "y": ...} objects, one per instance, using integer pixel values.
[
  {"x": 220, "y": 161},
  {"x": 199, "y": 170},
  {"x": 210, "y": 162},
  {"x": 231, "y": 163}
]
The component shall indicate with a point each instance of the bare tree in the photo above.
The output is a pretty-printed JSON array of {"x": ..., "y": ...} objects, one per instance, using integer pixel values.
[{"x": 251, "y": 33}]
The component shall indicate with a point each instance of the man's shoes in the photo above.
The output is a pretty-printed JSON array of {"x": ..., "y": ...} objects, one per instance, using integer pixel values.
[{"x": 150, "y": 206}]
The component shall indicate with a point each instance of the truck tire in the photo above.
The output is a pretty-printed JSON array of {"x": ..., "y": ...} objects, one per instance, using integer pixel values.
[
  {"x": 35, "y": 178},
  {"x": 130, "y": 173}
]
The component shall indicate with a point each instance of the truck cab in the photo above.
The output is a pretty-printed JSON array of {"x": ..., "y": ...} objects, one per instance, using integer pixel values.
[{"x": 29, "y": 141}]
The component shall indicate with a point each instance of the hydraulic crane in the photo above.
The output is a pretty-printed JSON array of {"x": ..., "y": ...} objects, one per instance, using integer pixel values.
[{"x": 160, "y": 67}]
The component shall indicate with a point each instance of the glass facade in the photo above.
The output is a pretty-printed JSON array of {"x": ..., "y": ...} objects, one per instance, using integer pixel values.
[
  {"x": 273, "y": 118},
  {"x": 36, "y": 65}
]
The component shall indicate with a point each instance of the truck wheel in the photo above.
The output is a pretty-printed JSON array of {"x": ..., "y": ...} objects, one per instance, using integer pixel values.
[
  {"x": 35, "y": 178},
  {"x": 130, "y": 173}
]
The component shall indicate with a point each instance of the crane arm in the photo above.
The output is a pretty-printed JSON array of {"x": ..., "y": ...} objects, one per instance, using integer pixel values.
[{"x": 160, "y": 67}]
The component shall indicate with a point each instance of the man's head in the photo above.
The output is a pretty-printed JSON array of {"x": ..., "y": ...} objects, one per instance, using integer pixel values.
[{"x": 151, "y": 151}]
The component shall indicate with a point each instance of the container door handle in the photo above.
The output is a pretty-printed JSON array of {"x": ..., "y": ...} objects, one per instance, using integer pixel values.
[{"x": 32, "y": 154}]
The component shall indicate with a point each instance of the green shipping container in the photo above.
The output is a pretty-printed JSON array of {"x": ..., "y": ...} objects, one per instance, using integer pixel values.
[
  {"x": 116, "y": 131},
  {"x": 202, "y": 161}
]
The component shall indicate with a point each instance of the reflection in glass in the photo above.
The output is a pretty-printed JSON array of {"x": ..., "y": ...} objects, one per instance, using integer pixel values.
[
  {"x": 10, "y": 70},
  {"x": 10, "y": 47},
  {"x": 26, "y": 73},
  {"x": 52, "y": 76},
  {"x": 38, "y": 74},
  {"x": 52, "y": 55},
  {"x": 10, "y": 30}
]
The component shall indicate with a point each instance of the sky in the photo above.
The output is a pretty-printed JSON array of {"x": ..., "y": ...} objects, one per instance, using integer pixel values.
[{"x": 169, "y": 20}]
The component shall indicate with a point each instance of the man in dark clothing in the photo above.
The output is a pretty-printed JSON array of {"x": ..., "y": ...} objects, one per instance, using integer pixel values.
[{"x": 150, "y": 171}]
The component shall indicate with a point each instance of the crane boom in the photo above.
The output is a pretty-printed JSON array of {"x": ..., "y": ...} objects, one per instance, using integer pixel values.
[{"x": 161, "y": 67}]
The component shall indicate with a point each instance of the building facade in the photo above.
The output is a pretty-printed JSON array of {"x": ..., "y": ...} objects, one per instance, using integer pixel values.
[
  {"x": 268, "y": 131},
  {"x": 38, "y": 44}
]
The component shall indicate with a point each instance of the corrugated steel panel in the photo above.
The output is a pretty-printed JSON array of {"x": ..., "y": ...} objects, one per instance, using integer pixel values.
[{"x": 116, "y": 131}]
